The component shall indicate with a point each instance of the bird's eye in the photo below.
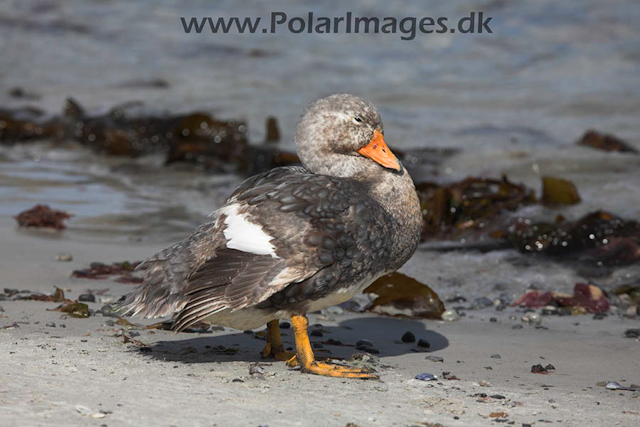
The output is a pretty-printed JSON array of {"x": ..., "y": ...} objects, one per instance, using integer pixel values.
[{"x": 357, "y": 119}]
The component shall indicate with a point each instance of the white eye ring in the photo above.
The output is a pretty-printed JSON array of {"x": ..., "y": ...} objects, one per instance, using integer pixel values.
[{"x": 357, "y": 120}]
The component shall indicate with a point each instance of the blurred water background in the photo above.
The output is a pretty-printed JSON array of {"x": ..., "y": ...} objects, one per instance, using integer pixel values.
[{"x": 514, "y": 102}]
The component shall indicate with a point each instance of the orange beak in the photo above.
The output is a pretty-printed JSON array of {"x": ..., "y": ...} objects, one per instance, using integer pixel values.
[{"x": 378, "y": 151}]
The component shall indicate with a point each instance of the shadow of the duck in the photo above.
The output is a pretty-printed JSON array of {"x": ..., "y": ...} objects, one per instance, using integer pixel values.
[{"x": 336, "y": 342}]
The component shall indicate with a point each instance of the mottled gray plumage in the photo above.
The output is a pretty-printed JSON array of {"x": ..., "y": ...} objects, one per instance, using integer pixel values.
[{"x": 322, "y": 232}]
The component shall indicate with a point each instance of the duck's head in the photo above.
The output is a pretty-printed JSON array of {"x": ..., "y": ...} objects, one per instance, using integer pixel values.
[{"x": 342, "y": 135}]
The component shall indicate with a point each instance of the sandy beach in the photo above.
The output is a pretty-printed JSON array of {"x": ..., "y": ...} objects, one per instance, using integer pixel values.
[
  {"x": 80, "y": 371},
  {"x": 523, "y": 144}
]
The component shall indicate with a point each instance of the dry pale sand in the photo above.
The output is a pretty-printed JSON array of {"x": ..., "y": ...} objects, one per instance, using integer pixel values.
[{"x": 71, "y": 375}]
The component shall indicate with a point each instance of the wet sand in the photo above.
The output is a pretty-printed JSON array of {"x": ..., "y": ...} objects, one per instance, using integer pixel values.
[{"x": 83, "y": 373}]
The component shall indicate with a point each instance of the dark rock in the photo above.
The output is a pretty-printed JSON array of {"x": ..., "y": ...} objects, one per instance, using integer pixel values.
[
  {"x": 408, "y": 337},
  {"x": 316, "y": 333},
  {"x": 632, "y": 333},
  {"x": 517, "y": 327},
  {"x": 50, "y": 325},
  {"x": 538, "y": 369},
  {"x": 493, "y": 320},
  {"x": 424, "y": 343},
  {"x": 456, "y": 298},
  {"x": 495, "y": 356},
  {"x": 87, "y": 298},
  {"x": 482, "y": 302},
  {"x": 285, "y": 325},
  {"x": 364, "y": 343}
]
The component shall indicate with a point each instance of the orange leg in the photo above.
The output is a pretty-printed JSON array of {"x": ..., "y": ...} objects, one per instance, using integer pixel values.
[
  {"x": 274, "y": 346},
  {"x": 308, "y": 362}
]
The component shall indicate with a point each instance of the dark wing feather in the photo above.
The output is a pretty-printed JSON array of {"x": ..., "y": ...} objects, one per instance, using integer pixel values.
[{"x": 231, "y": 280}]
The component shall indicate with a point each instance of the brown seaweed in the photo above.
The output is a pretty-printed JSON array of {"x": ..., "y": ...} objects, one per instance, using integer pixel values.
[
  {"x": 401, "y": 295},
  {"x": 605, "y": 142},
  {"x": 100, "y": 271},
  {"x": 586, "y": 298},
  {"x": 214, "y": 144},
  {"x": 599, "y": 237},
  {"x": 559, "y": 191},
  {"x": 74, "y": 309},
  {"x": 472, "y": 203},
  {"x": 41, "y": 216}
]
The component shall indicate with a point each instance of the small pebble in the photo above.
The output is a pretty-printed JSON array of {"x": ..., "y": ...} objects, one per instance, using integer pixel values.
[
  {"x": 248, "y": 332},
  {"x": 364, "y": 343},
  {"x": 517, "y": 327},
  {"x": 335, "y": 310},
  {"x": 532, "y": 318},
  {"x": 408, "y": 337},
  {"x": 435, "y": 358},
  {"x": 109, "y": 322},
  {"x": 450, "y": 315},
  {"x": 550, "y": 367},
  {"x": 316, "y": 333},
  {"x": 484, "y": 383},
  {"x": 64, "y": 257},
  {"x": 50, "y": 325},
  {"x": 1, "y": 309},
  {"x": 497, "y": 396},
  {"x": 134, "y": 334},
  {"x": 256, "y": 370},
  {"x": 424, "y": 343},
  {"x": 87, "y": 298},
  {"x": 481, "y": 303},
  {"x": 493, "y": 320},
  {"x": 495, "y": 356},
  {"x": 426, "y": 377}
]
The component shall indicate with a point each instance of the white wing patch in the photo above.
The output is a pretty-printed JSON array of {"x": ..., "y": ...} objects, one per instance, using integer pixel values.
[{"x": 243, "y": 235}]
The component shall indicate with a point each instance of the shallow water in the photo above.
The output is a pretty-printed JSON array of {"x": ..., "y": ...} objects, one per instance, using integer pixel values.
[{"x": 514, "y": 101}]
